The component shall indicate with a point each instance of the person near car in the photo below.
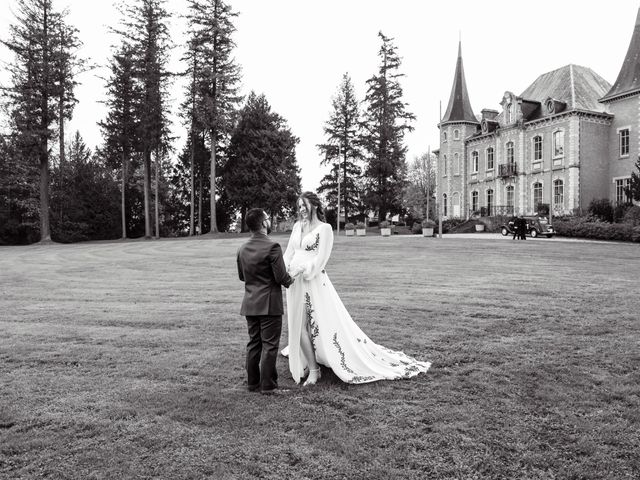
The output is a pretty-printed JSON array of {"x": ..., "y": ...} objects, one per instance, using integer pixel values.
[
  {"x": 522, "y": 228},
  {"x": 516, "y": 227}
]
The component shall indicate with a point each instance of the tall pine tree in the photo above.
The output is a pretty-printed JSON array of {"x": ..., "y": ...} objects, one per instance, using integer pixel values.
[
  {"x": 384, "y": 125},
  {"x": 341, "y": 150},
  {"x": 262, "y": 170},
  {"x": 120, "y": 127},
  {"x": 145, "y": 29},
  {"x": 43, "y": 45},
  {"x": 216, "y": 80}
]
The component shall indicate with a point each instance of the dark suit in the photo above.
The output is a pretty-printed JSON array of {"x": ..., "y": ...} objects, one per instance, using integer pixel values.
[{"x": 262, "y": 269}]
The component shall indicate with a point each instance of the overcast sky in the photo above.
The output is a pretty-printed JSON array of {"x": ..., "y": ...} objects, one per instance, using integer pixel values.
[{"x": 296, "y": 51}]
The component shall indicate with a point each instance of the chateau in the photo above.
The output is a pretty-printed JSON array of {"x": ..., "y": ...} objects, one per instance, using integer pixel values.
[{"x": 568, "y": 139}]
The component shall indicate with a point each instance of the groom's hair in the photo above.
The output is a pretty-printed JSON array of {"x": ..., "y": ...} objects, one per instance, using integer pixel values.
[{"x": 254, "y": 219}]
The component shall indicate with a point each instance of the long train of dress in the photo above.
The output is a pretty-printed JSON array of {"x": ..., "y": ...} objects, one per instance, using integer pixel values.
[{"x": 338, "y": 341}]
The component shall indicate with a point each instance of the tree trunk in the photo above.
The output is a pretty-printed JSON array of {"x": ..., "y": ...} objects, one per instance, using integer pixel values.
[
  {"x": 147, "y": 192},
  {"x": 344, "y": 187},
  {"x": 122, "y": 202},
  {"x": 200, "y": 188},
  {"x": 157, "y": 206},
  {"x": 193, "y": 193},
  {"x": 214, "y": 223},
  {"x": 45, "y": 231},
  {"x": 193, "y": 146}
]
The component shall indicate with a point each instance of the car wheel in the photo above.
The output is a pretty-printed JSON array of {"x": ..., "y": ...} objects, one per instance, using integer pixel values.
[
  {"x": 504, "y": 231},
  {"x": 534, "y": 233},
  {"x": 550, "y": 236}
]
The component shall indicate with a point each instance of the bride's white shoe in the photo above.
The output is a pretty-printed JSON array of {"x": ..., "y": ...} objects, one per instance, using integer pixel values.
[{"x": 314, "y": 376}]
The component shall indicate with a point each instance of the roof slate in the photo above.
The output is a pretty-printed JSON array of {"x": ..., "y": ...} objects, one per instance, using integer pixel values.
[
  {"x": 579, "y": 87},
  {"x": 459, "y": 108},
  {"x": 628, "y": 80}
]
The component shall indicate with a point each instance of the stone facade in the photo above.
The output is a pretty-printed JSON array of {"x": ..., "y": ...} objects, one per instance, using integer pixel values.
[{"x": 568, "y": 139}]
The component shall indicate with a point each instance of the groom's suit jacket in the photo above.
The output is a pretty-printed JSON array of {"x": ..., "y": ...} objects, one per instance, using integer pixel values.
[{"x": 262, "y": 269}]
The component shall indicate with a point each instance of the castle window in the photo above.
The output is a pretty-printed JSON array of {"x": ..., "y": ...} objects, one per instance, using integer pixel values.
[
  {"x": 444, "y": 204},
  {"x": 444, "y": 166},
  {"x": 623, "y": 140},
  {"x": 537, "y": 195},
  {"x": 444, "y": 136},
  {"x": 456, "y": 164},
  {"x": 474, "y": 201},
  {"x": 537, "y": 148},
  {"x": 507, "y": 114},
  {"x": 490, "y": 158},
  {"x": 474, "y": 162},
  {"x": 510, "y": 199},
  {"x": 510, "y": 157},
  {"x": 490, "y": 202},
  {"x": 558, "y": 143},
  {"x": 558, "y": 194},
  {"x": 622, "y": 191},
  {"x": 456, "y": 134}
]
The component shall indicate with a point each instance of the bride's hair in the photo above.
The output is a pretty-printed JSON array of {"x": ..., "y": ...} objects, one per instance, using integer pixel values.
[{"x": 314, "y": 201}]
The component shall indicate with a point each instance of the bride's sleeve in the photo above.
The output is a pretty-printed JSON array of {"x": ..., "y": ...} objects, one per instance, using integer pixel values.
[
  {"x": 325, "y": 244},
  {"x": 288, "y": 254}
]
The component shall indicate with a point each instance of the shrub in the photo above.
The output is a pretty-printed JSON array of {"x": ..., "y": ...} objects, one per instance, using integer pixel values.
[
  {"x": 416, "y": 227},
  {"x": 384, "y": 224},
  {"x": 428, "y": 224},
  {"x": 601, "y": 209},
  {"x": 349, "y": 226},
  {"x": 583, "y": 228},
  {"x": 360, "y": 225},
  {"x": 632, "y": 216}
]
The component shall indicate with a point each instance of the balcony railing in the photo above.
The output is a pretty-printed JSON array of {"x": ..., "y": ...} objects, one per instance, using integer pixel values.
[
  {"x": 507, "y": 170},
  {"x": 493, "y": 211}
]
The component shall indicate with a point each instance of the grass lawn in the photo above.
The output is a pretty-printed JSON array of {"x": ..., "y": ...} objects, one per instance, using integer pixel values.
[{"x": 126, "y": 360}]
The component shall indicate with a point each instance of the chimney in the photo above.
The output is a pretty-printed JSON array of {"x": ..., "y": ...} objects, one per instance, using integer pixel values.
[{"x": 488, "y": 114}]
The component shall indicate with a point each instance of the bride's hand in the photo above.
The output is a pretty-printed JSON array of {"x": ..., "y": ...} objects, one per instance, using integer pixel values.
[{"x": 295, "y": 271}]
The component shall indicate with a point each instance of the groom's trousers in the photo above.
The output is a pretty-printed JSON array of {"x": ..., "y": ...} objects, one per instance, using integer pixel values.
[{"x": 262, "y": 351}]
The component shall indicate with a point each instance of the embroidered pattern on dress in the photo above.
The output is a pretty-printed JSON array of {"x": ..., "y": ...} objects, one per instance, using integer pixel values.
[
  {"x": 313, "y": 326},
  {"x": 314, "y": 246},
  {"x": 343, "y": 363}
]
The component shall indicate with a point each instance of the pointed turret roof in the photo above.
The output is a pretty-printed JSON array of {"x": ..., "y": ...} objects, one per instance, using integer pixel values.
[
  {"x": 629, "y": 77},
  {"x": 459, "y": 109}
]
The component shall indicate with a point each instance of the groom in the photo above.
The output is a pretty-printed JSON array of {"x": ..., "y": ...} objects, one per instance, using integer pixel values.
[{"x": 262, "y": 269}]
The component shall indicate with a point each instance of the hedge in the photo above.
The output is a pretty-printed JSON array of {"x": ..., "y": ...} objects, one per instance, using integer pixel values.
[{"x": 583, "y": 228}]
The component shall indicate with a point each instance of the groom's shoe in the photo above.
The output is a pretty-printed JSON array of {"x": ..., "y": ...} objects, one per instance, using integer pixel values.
[{"x": 276, "y": 391}]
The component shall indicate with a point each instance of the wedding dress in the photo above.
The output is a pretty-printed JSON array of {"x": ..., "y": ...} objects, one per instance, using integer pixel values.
[{"x": 338, "y": 342}]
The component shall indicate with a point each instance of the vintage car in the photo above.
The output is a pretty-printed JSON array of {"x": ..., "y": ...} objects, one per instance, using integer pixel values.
[{"x": 536, "y": 226}]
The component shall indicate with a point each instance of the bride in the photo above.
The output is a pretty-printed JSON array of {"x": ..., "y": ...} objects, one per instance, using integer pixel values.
[{"x": 320, "y": 328}]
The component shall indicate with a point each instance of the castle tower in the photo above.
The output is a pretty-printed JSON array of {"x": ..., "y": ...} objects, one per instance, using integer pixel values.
[
  {"x": 623, "y": 101},
  {"x": 457, "y": 124}
]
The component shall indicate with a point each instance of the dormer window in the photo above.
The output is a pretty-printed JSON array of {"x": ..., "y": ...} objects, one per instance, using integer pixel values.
[{"x": 507, "y": 113}]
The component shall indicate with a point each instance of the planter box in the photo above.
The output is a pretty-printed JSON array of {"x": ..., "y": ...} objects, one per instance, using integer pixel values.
[
  {"x": 427, "y": 232},
  {"x": 349, "y": 233},
  {"x": 361, "y": 232},
  {"x": 385, "y": 232},
  {"x": 479, "y": 228}
]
